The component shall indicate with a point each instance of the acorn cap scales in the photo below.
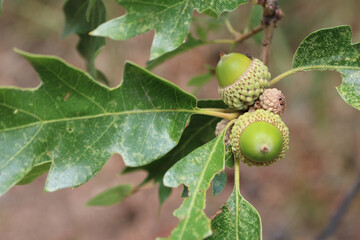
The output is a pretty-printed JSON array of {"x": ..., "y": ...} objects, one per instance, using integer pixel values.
[
  {"x": 239, "y": 89},
  {"x": 259, "y": 138}
]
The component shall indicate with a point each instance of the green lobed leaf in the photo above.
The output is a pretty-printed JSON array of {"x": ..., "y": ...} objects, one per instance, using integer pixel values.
[
  {"x": 196, "y": 171},
  {"x": 190, "y": 43},
  {"x": 332, "y": 49},
  {"x": 200, "y": 130},
  {"x": 111, "y": 196},
  {"x": 82, "y": 16},
  {"x": 218, "y": 183},
  {"x": 170, "y": 20},
  {"x": 77, "y": 124},
  {"x": 230, "y": 222}
]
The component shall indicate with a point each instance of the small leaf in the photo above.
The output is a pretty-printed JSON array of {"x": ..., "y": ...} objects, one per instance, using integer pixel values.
[
  {"x": 331, "y": 49},
  {"x": 218, "y": 183},
  {"x": 196, "y": 170},
  {"x": 89, "y": 48},
  {"x": 200, "y": 80},
  {"x": 89, "y": 9},
  {"x": 230, "y": 222},
  {"x": 190, "y": 43},
  {"x": 78, "y": 124},
  {"x": 82, "y": 16},
  {"x": 75, "y": 17},
  {"x": 111, "y": 196},
  {"x": 170, "y": 19},
  {"x": 37, "y": 171}
]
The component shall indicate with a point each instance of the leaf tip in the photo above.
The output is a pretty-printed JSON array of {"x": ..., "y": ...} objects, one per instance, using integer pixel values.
[{"x": 97, "y": 32}]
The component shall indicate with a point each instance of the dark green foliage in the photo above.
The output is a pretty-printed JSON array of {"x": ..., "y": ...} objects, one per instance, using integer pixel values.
[{"x": 81, "y": 18}]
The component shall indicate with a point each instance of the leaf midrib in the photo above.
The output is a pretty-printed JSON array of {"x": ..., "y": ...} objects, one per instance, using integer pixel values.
[
  {"x": 198, "y": 186},
  {"x": 43, "y": 122},
  {"x": 335, "y": 67}
]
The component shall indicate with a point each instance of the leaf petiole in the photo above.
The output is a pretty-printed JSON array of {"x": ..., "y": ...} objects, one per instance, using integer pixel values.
[
  {"x": 227, "y": 41},
  {"x": 231, "y": 28},
  {"x": 308, "y": 68},
  {"x": 218, "y": 112},
  {"x": 283, "y": 75},
  {"x": 239, "y": 37}
]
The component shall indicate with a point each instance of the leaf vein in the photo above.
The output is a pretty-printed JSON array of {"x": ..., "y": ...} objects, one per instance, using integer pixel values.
[
  {"x": 98, "y": 116},
  {"x": 75, "y": 89},
  {"x": 23, "y": 148}
]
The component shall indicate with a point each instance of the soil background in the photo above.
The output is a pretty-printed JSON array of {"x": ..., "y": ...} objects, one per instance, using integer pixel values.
[{"x": 295, "y": 197}]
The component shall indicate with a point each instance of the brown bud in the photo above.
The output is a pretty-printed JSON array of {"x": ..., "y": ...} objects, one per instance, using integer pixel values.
[{"x": 273, "y": 100}]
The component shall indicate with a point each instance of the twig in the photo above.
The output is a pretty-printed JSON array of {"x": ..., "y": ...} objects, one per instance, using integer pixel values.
[
  {"x": 266, "y": 43},
  {"x": 340, "y": 212},
  {"x": 271, "y": 15},
  {"x": 240, "y": 37},
  {"x": 250, "y": 33}
]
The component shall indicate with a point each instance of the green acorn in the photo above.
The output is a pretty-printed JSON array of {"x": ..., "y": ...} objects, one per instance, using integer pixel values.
[
  {"x": 259, "y": 138},
  {"x": 241, "y": 80}
]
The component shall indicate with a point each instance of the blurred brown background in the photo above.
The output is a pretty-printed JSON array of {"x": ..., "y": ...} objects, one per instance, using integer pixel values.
[{"x": 295, "y": 197}]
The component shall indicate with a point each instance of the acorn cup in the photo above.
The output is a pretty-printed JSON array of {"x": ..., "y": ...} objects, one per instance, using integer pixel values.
[
  {"x": 241, "y": 80},
  {"x": 259, "y": 138}
]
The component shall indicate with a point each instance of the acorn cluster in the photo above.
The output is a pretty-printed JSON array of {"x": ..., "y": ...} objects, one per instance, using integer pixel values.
[{"x": 258, "y": 137}]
